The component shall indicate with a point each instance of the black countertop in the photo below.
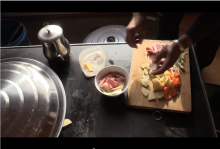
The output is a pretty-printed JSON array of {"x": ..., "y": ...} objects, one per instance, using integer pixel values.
[{"x": 95, "y": 115}]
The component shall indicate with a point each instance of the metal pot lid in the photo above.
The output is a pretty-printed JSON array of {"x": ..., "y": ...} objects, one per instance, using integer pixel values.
[
  {"x": 33, "y": 100},
  {"x": 50, "y": 33},
  {"x": 107, "y": 34}
]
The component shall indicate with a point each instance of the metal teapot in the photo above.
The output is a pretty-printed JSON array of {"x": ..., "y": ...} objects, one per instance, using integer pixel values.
[{"x": 56, "y": 47}]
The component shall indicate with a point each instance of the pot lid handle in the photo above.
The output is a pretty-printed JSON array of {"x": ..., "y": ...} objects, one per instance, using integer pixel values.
[
  {"x": 49, "y": 33},
  {"x": 45, "y": 23}
]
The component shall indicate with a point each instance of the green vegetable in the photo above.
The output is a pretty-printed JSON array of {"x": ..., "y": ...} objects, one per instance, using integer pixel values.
[
  {"x": 182, "y": 56},
  {"x": 179, "y": 59},
  {"x": 181, "y": 66}
]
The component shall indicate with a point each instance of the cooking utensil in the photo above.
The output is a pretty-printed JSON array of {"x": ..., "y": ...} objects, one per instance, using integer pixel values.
[
  {"x": 56, "y": 47},
  {"x": 33, "y": 101}
]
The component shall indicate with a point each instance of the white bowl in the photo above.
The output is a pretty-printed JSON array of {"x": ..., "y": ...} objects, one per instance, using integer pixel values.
[{"x": 115, "y": 69}]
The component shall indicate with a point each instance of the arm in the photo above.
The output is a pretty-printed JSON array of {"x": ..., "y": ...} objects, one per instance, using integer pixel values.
[{"x": 204, "y": 24}]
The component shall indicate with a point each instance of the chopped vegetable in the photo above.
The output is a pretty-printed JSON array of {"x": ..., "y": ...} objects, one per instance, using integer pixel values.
[
  {"x": 171, "y": 76},
  {"x": 148, "y": 67},
  {"x": 162, "y": 89},
  {"x": 159, "y": 94},
  {"x": 182, "y": 56},
  {"x": 177, "y": 71},
  {"x": 66, "y": 122},
  {"x": 152, "y": 96},
  {"x": 145, "y": 91},
  {"x": 168, "y": 83},
  {"x": 145, "y": 77},
  {"x": 89, "y": 66},
  {"x": 172, "y": 92},
  {"x": 143, "y": 66},
  {"x": 171, "y": 84},
  {"x": 180, "y": 65},
  {"x": 144, "y": 82},
  {"x": 167, "y": 72},
  {"x": 178, "y": 81},
  {"x": 175, "y": 83},
  {"x": 166, "y": 89},
  {"x": 167, "y": 96},
  {"x": 181, "y": 62},
  {"x": 145, "y": 72},
  {"x": 162, "y": 79},
  {"x": 158, "y": 77},
  {"x": 177, "y": 75},
  {"x": 157, "y": 84}
]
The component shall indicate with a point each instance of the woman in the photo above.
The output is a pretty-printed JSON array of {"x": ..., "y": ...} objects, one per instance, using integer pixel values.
[{"x": 204, "y": 32}]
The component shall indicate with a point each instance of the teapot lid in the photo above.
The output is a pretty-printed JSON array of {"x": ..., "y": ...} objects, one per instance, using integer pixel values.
[{"x": 50, "y": 33}]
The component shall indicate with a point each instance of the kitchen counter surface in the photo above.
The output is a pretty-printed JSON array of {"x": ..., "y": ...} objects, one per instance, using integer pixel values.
[{"x": 95, "y": 115}]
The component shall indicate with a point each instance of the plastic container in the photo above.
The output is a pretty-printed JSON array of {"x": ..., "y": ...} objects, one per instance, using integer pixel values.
[
  {"x": 8, "y": 27},
  {"x": 83, "y": 55}
]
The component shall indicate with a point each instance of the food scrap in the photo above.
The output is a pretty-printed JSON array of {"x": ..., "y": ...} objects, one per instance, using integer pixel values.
[
  {"x": 111, "y": 62},
  {"x": 88, "y": 66},
  {"x": 112, "y": 83},
  {"x": 93, "y": 61}
]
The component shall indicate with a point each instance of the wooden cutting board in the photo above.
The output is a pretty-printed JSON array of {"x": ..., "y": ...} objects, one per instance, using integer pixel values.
[{"x": 179, "y": 103}]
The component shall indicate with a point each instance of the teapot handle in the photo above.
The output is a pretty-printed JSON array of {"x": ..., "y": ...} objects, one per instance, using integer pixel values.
[{"x": 59, "y": 54}]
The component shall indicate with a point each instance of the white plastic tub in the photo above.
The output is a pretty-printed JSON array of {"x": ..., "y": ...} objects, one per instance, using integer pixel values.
[{"x": 96, "y": 64}]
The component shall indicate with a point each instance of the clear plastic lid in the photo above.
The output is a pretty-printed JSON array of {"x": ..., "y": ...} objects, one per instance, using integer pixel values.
[{"x": 97, "y": 59}]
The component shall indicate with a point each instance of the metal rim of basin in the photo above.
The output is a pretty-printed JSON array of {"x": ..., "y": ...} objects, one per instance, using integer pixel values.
[{"x": 33, "y": 100}]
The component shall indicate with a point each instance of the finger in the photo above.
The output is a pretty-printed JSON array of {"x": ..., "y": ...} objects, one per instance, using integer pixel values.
[
  {"x": 159, "y": 56},
  {"x": 161, "y": 61},
  {"x": 166, "y": 65},
  {"x": 141, "y": 36},
  {"x": 136, "y": 39},
  {"x": 130, "y": 38}
]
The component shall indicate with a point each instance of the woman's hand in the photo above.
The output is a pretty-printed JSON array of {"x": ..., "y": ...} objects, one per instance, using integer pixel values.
[
  {"x": 171, "y": 52},
  {"x": 136, "y": 25}
]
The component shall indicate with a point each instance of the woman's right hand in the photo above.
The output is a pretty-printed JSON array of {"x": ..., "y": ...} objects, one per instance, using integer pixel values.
[{"x": 170, "y": 53}]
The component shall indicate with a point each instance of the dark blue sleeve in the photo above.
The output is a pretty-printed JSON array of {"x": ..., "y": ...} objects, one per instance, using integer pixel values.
[{"x": 203, "y": 25}]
